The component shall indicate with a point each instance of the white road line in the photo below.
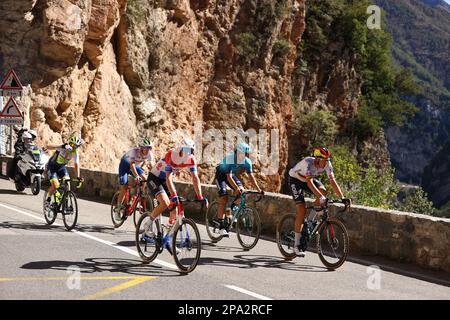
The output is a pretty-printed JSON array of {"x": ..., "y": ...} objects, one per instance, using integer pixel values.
[
  {"x": 129, "y": 251},
  {"x": 88, "y": 236},
  {"x": 255, "y": 295}
]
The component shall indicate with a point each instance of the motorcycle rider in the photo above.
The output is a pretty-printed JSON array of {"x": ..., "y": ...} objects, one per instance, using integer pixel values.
[{"x": 25, "y": 138}]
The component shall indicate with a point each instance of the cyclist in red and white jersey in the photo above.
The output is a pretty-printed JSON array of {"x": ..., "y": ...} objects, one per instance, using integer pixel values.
[{"x": 160, "y": 179}]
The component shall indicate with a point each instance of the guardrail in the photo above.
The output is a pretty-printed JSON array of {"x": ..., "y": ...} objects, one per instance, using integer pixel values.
[{"x": 401, "y": 236}]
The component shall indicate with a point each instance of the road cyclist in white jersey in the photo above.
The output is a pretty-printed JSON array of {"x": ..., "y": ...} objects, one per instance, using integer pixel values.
[
  {"x": 302, "y": 178},
  {"x": 131, "y": 163}
]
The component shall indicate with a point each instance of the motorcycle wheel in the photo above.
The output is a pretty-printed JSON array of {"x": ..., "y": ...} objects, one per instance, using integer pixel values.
[
  {"x": 36, "y": 185},
  {"x": 19, "y": 187}
]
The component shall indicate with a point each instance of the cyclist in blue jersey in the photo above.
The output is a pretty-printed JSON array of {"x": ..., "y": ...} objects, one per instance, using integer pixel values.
[{"x": 226, "y": 171}]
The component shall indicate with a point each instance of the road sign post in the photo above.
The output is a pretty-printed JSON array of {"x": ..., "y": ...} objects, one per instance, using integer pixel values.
[{"x": 10, "y": 114}]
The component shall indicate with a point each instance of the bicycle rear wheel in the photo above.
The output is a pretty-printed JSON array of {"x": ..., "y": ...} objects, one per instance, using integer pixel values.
[
  {"x": 49, "y": 213},
  {"x": 186, "y": 246},
  {"x": 145, "y": 204},
  {"x": 248, "y": 227},
  {"x": 211, "y": 228},
  {"x": 116, "y": 222},
  {"x": 332, "y": 243},
  {"x": 69, "y": 210},
  {"x": 147, "y": 246},
  {"x": 286, "y": 236}
]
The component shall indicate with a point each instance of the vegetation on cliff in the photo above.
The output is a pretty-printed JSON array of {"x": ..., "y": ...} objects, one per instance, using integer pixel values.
[{"x": 384, "y": 88}]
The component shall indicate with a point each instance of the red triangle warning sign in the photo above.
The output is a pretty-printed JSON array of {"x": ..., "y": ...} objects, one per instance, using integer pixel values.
[
  {"x": 11, "y": 82},
  {"x": 11, "y": 110}
]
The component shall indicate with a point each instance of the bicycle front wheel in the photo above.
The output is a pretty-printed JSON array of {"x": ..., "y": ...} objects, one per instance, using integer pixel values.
[
  {"x": 117, "y": 221},
  {"x": 186, "y": 246},
  {"x": 332, "y": 243},
  {"x": 211, "y": 222},
  {"x": 69, "y": 210},
  {"x": 145, "y": 204},
  {"x": 286, "y": 236},
  {"x": 147, "y": 244},
  {"x": 48, "y": 211},
  {"x": 248, "y": 227}
]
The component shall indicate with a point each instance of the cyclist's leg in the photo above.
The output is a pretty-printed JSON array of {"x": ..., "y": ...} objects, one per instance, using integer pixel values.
[
  {"x": 240, "y": 185},
  {"x": 55, "y": 173},
  {"x": 223, "y": 197},
  {"x": 319, "y": 185},
  {"x": 140, "y": 172},
  {"x": 298, "y": 193},
  {"x": 124, "y": 171},
  {"x": 158, "y": 190}
]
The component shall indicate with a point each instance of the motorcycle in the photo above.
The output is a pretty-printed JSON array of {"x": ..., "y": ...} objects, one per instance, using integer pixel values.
[{"x": 30, "y": 169}]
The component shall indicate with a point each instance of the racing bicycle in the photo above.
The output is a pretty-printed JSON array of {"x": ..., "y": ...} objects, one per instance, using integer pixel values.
[
  {"x": 65, "y": 203},
  {"x": 182, "y": 239},
  {"x": 330, "y": 234},
  {"x": 246, "y": 219},
  {"x": 135, "y": 204}
]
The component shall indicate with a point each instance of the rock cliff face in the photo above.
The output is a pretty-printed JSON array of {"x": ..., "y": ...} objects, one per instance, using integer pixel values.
[
  {"x": 116, "y": 69},
  {"x": 436, "y": 177}
]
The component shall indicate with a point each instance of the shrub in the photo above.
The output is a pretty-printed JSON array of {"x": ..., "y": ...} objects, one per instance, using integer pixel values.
[
  {"x": 281, "y": 47},
  {"x": 318, "y": 128},
  {"x": 247, "y": 46},
  {"x": 418, "y": 202}
]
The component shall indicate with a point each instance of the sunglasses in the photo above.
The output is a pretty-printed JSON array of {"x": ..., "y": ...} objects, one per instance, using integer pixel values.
[{"x": 187, "y": 150}]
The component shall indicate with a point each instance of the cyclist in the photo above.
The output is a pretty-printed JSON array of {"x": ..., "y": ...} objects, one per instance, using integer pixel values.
[
  {"x": 57, "y": 164},
  {"x": 226, "y": 171},
  {"x": 160, "y": 181},
  {"x": 130, "y": 164},
  {"x": 302, "y": 178}
]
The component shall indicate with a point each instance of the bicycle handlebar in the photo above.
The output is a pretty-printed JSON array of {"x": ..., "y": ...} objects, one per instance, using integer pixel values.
[
  {"x": 243, "y": 194},
  {"x": 347, "y": 204}
]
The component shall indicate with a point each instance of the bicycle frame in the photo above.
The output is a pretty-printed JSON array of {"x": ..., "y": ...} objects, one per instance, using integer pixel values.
[
  {"x": 323, "y": 220},
  {"x": 64, "y": 186},
  {"x": 242, "y": 204},
  {"x": 135, "y": 198}
]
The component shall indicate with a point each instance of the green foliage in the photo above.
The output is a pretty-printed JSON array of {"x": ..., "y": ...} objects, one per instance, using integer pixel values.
[
  {"x": 443, "y": 212},
  {"x": 421, "y": 39},
  {"x": 281, "y": 47},
  {"x": 383, "y": 88},
  {"x": 281, "y": 9},
  {"x": 318, "y": 128},
  {"x": 136, "y": 10},
  {"x": 247, "y": 46},
  {"x": 364, "y": 185},
  {"x": 417, "y": 202}
]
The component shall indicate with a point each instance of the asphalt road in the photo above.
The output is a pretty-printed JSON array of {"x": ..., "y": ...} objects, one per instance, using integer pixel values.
[{"x": 97, "y": 261}]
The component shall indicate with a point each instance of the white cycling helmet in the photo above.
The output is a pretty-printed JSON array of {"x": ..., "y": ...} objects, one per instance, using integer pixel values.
[
  {"x": 33, "y": 133},
  {"x": 187, "y": 146},
  {"x": 27, "y": 136}
]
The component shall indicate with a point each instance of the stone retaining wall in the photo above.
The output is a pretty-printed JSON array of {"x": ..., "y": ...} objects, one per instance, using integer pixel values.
[{"x": 406, "y": 237}]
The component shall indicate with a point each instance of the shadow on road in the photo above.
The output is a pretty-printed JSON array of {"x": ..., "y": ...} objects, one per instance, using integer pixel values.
[
  {"x": 100, "y": 265},
  {"x": 245, "y": 261},
  {"x": 210, "y": 246},
  {"x": 14, "y": 192},
  {"x": 30, "y": 226}
]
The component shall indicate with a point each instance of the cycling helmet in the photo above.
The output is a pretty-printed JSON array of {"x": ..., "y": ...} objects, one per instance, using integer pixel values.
[
  {"x": 27, "y": 137},
  {"x": 243, "y": 148},
  {"x": 322, "y": 152},
  {"x": 33, "y": 134},
  {"x": 187, "y": 146},
  {"x": 75, "y": 140},
  {"x": 145, "y": 142}
]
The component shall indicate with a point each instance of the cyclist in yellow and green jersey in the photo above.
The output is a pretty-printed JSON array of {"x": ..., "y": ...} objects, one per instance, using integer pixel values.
[{"x": 57, "y": 164}]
